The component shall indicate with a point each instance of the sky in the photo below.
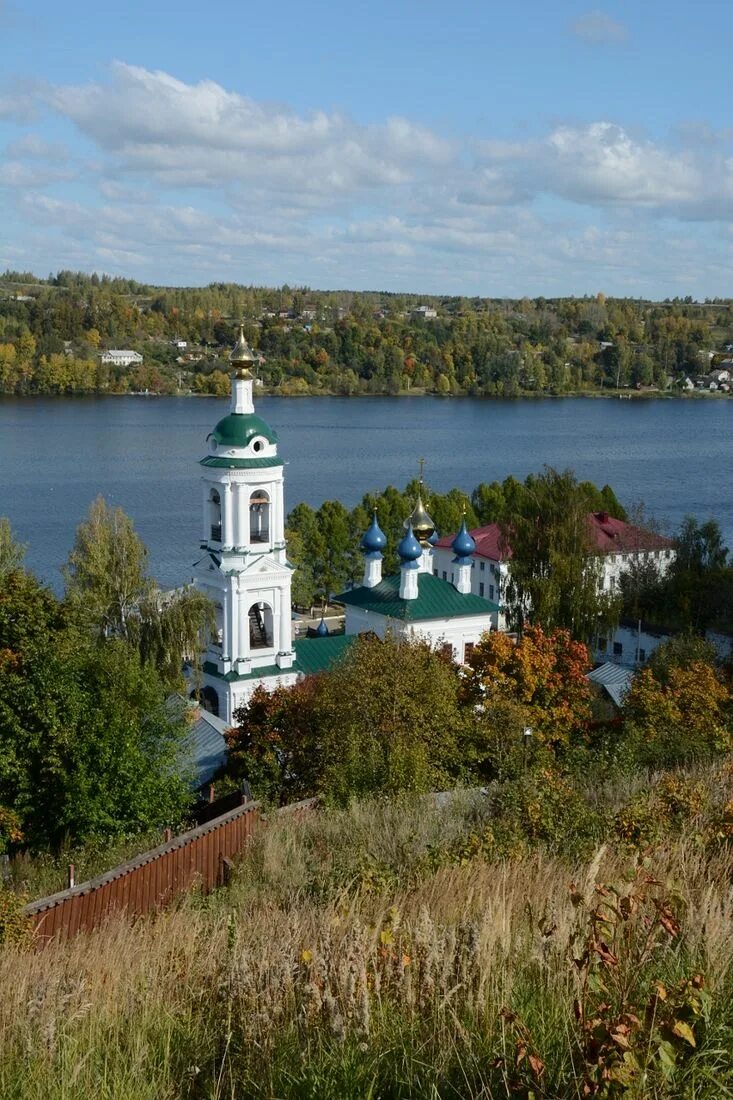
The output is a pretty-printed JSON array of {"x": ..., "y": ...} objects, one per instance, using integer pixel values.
[{"x": 482, "y": 148}]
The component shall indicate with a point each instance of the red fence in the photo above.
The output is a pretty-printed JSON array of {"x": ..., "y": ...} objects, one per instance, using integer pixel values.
[{"x": 150, "y": 880}]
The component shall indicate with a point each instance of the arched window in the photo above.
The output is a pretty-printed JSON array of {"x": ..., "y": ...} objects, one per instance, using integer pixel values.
[
  {"x": 259, "y": 517},
  {"x": 215, "y": 515},
  {"x": 260, "y": 626}
]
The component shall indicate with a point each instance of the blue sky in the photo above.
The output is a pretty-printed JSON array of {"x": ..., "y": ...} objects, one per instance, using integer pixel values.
[{"x": 465, "y": 148}]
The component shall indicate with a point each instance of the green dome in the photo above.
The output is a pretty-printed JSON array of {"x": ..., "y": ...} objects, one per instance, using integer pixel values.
[{"x": 239, "y": 429}]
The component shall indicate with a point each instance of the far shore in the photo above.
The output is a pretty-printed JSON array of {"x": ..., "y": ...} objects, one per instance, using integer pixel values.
[{"x": 624, "y": 395}]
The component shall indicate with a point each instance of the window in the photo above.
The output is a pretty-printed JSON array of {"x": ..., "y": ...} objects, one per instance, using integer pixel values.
[
  {"x": 618, "y": 649},
  {"x": 481, "y": 588},
  {"x": 445, "y": 575},
  {"x": 452, "y": 578},
  {"x": 259, "y": 516},
  {"x": 435, "y": 572},
  {"x": 602, "y": 645},
  {"x": 260, "y": 626},
  {"x": 491, "y": 591},
  {"x": 447, "y": 650},
  {"x": 482, "y": 567},
  {"x": 468, "y": 650},
  {"x": 642, "y": 656},
  {"x": 215, "y": 515}
]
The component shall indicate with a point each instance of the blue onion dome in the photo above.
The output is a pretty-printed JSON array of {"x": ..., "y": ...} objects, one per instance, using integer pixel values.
[
  {"x": 322, "y": 629},
  {"x": 374, "y": 540},
  {"x": 463, "y": 546},
  {"x": 409, "y": 548},
  {"x": 434, "y": 539}
]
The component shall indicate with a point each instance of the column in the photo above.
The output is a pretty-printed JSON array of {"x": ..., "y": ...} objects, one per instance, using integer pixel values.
[
  {"x": 241, "y": 514},
  {"x": 286, "y": 625},
  {"x": 225, "y": 625},
  {"x": 227, "y": 534},
  {"x": 285, "y": 641},
  {"x": 277, "y": 522},
  {"x": 234, "y": 612}
]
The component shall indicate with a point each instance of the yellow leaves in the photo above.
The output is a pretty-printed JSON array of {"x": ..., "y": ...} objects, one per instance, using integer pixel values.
[
  {"x": 386, "y": 938},
  {"x": 306, "y": 957},
  {"x": 684, "y": 1031}
]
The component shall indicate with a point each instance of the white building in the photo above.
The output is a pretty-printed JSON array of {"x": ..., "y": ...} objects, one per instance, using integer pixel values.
[
  {"x": 121, "y": 357},
  {"x": 415, "y": 602},
  {"x": 621, "y": 545},
  {"x": 244, "y": 569},
  {"x": 426, "y": 312}
]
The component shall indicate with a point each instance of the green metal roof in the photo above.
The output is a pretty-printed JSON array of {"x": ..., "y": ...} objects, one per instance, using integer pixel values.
[
  {"x": 315, "y": 654},
  {"x": 311, "y": 655},
  {"x": 437, "y": 599},
  {"x": 240, "y": 463},
  {"x": 237, "y": 429}
]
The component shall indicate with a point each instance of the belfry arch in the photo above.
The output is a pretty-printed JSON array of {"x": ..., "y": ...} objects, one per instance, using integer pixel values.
[
  {"x": 261, "y": 622},
  {"x": 259, "y": 517}
]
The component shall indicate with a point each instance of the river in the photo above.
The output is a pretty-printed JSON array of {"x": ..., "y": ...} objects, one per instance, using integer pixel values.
[{"x": 57, "y": 454}]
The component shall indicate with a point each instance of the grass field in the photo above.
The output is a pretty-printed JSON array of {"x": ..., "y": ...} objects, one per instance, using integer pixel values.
[{"x": 360, "y": 954}]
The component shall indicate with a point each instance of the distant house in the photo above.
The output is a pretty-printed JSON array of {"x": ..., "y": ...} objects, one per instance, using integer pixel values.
[
  {"x": 180, "y": 344},
  {"x": 121, "y": 357},
  {"x": 720, "y": 374},
  {"x": 631, "y": 644},
  {"x": 426, "y": 312},
  {"x": 621, "y": 545}
]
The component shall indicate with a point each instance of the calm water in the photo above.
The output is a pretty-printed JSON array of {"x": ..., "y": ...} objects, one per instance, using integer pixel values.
[{"x": 141, "y": 453}]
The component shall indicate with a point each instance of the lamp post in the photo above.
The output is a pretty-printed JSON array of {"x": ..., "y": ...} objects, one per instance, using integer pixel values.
[{"x": 526, "y": 739}]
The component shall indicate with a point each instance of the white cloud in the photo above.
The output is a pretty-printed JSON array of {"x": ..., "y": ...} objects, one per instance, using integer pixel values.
[
  {"x": 599, "y": 29},
  {"x": 191, "y": 182},
  {"x": 201, "y": 135},
  {"x": 602, "y": 165}
]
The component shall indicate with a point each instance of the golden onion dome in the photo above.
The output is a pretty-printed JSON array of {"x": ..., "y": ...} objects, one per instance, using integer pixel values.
[
  {"x": 241, "y": 355},
  {"x": 421, "y": 523}
]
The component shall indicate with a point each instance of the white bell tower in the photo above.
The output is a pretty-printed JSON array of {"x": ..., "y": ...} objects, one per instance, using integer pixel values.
[{"x": 244, "y": 569}]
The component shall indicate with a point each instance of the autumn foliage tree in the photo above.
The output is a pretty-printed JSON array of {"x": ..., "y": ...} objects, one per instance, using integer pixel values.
[
  {"x": 684, "y": 716},
  {"x": 538, "y": 682},
  {"x": 386, "y": 717}
]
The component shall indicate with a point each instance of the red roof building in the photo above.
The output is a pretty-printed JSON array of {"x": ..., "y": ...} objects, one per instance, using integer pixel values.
[{"x": 608, "y": 534}]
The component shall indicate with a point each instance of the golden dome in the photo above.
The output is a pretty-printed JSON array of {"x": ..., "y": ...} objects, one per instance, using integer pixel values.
[
  {"x": 241, "y": 355},
  {"x": 422, "y": 525}
]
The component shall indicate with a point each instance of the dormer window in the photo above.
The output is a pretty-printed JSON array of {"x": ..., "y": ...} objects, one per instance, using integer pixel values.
[{"x": 258, "y": 445}]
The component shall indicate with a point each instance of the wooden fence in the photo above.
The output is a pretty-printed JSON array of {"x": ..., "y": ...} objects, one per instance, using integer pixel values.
[{"x": 151, "y": 880}]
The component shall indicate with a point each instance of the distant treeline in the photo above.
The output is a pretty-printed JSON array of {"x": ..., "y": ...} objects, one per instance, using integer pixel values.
[{"x": 53, "y": 330}]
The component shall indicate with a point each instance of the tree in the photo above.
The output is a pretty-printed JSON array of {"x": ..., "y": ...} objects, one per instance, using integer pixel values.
[
  {"x": 682, "y": 717},
  {"x": 87, "y": 746},
  {"x": 110, "y": 592},
  {"x": 680, "y": 651},
  {"x": 700, "y": 547},
  {"x": 555, "y": 570},
  {"x": 385, "y": 718},
  {"x": 106, "y": 576},
  {"x": 303, "y": 585},
  {"x": 540, "y": 678},
  {"x": 11, "y": 552}
]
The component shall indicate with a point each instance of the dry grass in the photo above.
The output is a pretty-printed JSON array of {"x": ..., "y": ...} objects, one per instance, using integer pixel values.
[{"x": 319, "y": 974}]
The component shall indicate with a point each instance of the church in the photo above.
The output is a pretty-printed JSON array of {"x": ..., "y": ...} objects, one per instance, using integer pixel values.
[{"x": 245, "y": 572}]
